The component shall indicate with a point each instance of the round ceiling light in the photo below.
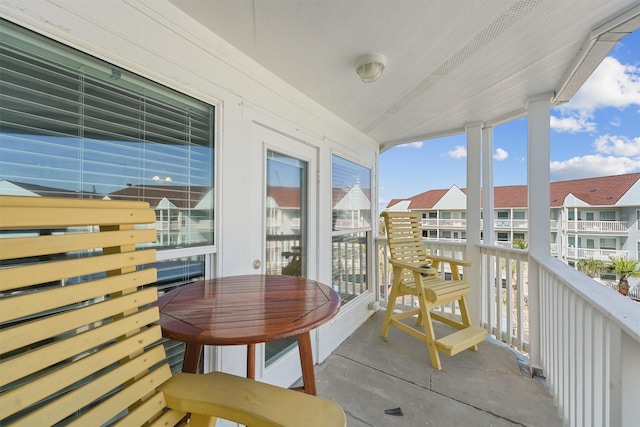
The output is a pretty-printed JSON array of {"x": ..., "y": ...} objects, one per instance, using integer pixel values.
[{"x": 370, "y": 67}]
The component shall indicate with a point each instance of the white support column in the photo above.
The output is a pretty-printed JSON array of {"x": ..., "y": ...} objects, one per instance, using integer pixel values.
[
  {"x": 539, "y": 194},
  {"x": 488, "y": 234},
  {"x": 474, "y": 173},
  {"x": 538, "y": 175},
  {"x": 487, "y": 187}
]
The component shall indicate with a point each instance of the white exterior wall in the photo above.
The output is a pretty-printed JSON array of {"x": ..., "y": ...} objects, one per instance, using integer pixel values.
[
  {"x": 453, "y": 200},
  {"x": 154, "y": 39}
]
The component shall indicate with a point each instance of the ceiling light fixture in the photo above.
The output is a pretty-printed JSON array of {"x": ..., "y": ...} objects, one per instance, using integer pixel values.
[{"x": 370, "y": 67}]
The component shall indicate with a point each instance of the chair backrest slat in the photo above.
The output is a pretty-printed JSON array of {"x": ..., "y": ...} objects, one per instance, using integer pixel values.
[
  {"x": 405, "y": 240},
  {"x": 30, "y": 303},
  {"x": 43, "y": 245},
  {"x": 75, "y": 341}
]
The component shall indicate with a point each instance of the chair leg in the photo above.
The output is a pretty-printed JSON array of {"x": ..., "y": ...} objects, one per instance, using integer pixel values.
[
  {"x": 430, "y": 337},
  {"x": 391, "y": 306},
  {"x": 464, "y": 313}
]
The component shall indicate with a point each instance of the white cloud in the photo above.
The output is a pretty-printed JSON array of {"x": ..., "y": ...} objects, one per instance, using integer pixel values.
[
  {"x": 417, "y": 144},
  {"x": 618, "y": 145},
  {"x": 612, "y": 84},
  {"x": 572, "y": 124},
  {"x": 458, "y": 153},
  {"x": 500, "y": 154},
  {"x": 591, "y": 166},
  {"x": 615, "y": 121}
]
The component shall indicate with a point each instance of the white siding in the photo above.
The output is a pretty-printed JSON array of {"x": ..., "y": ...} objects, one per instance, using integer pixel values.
[{"x": 454, "y": 199}]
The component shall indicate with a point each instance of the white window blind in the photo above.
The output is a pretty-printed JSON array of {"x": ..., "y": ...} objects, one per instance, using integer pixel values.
[{"x": 74, "y": 126}]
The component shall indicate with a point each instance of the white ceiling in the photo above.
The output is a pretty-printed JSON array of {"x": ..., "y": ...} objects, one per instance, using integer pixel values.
[{"x": 449, "y": 63}]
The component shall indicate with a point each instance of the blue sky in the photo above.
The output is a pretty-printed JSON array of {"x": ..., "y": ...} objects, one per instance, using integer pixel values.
[{"x": 596, "y": 134}]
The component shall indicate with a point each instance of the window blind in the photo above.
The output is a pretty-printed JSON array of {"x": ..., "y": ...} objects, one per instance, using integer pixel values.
[{"x": 75, "y": 126}]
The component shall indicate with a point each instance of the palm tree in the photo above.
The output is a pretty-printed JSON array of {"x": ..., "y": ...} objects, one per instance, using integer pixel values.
[
  {"x": 519, "y": 243},
  {"x": 624, "y": 268},
  {"x": 591, "y": 267}
]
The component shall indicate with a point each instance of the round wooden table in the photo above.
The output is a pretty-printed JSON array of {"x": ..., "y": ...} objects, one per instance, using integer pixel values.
[{"x": 247, "y": 310}]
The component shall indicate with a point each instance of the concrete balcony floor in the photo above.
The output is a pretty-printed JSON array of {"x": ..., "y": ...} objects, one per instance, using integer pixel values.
[{"x": 367, "y": 376}]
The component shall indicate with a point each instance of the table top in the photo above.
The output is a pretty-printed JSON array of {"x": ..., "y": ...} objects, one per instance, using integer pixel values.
[{"x": 248, "y": 309}]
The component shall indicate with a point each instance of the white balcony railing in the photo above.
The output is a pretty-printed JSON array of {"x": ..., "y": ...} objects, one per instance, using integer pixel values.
[
  {"x": 505, "y": 295},
  {"x": 597, "y": 227},
  {"x": 585, "y": 227},
  {"x": 597, "y": 254},
  {"x": 582, "y": 336},
  {"x": 589, "y": 346},
  {"x": 444, "y": 223}
]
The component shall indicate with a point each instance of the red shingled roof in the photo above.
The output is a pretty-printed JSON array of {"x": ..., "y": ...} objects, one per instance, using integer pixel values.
[
  {"x": 285, "y": 197},
  {"x": 183, "y": 197},
  {"x": 601, "y": 191},
  {"x": 426, "y": 200}
]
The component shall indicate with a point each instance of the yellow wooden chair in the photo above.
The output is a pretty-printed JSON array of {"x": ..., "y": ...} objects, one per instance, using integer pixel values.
[
  {"x": 419, "y": 274},
  {"x": 77, "y": 344}
]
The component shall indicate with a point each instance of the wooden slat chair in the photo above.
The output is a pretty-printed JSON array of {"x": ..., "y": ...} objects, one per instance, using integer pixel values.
[
  {"x": 76, "y": 334},
  {"x": 419, "y": 274}
]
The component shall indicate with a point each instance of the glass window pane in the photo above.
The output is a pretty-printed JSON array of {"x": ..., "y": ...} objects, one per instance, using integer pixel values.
[
  {"x": 75, "y": 126},
  {"x": 351, "y": 207},
  {"x": 349, "y": 265},
  {"x": 351, "y": 185},
  {"x": 608, "y": 243},
  {"x": 607, "y": 216},
  {"x": 286, "y": 215}
]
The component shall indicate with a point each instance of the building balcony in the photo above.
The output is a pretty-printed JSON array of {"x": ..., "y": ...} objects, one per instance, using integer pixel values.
[
  {"x": 597, "y": 254},
  {"x": 581, "y": 336},
  {"x": 368, "y": 375},
  {"x": 598, "y": 227},
  {"x": 451, "y": 223}
]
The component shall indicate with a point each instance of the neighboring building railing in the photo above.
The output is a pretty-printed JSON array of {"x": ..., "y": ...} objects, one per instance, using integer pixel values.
[
  {"x": 597, "y": 227},
  {"x": 586, "y": 227},
  {"x": 597, "y": 254}
]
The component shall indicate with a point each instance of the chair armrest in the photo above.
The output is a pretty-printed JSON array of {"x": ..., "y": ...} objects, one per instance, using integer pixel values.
[
  {"x": 450, "y": 261},
  {"x": 249, "y": 402},
  {"x": 454, "y": 264},
  {"x": 413, "y": 267}
]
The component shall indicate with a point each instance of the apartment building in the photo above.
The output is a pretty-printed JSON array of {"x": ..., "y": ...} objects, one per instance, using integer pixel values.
[{"x": 589, "y": 218}]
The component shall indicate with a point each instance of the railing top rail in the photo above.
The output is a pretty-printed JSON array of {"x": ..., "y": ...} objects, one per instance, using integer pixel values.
[
  {"x": 514, "y": 253},
  {"x": 622, "y": 311}
]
